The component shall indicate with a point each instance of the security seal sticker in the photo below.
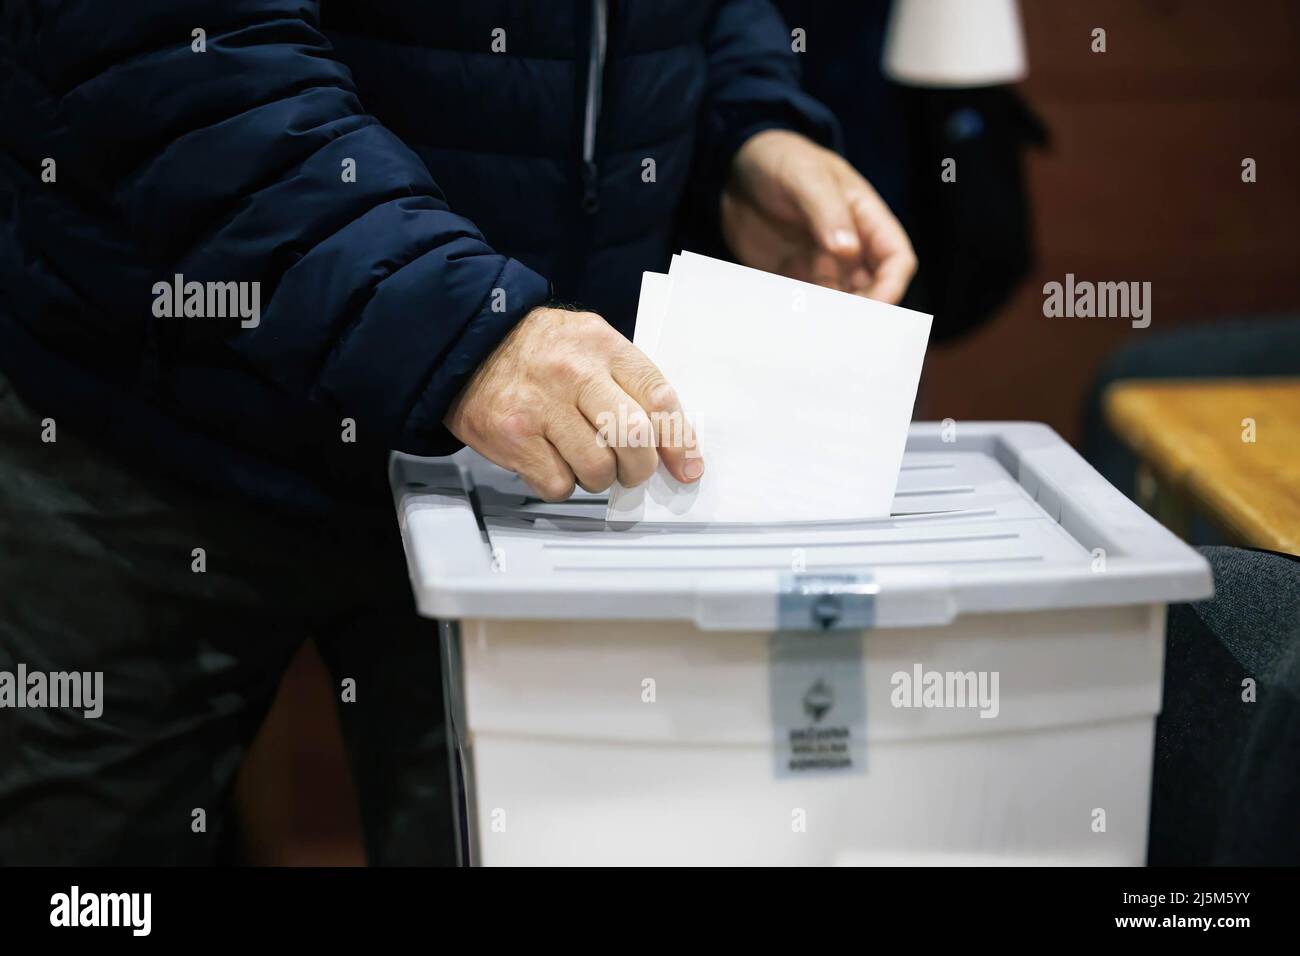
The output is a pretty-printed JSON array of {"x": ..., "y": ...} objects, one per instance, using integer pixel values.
[{"x": 818, "y": 699}]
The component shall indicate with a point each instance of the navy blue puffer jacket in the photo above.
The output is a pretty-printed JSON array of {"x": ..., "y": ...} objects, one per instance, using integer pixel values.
[{"x": 501, "y": 154}]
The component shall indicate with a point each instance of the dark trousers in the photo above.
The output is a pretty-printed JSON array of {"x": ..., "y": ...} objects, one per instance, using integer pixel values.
[
  {"x": 98, "y": 574},
  {"x": 1226, "y": 787}
]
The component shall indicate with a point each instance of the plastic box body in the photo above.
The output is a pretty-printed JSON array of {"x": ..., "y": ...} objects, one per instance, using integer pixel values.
[{"x": 613, "y": 696}]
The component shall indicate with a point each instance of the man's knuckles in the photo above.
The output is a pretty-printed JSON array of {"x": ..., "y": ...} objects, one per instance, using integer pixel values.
[
  {"x": 518, "y": 427},
  {"x": 552, "y": 486},
  {"x": 596, "y": 471}
]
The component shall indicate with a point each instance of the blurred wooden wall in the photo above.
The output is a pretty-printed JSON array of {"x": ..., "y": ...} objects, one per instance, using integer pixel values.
[{"x": 1142, "y": 183}]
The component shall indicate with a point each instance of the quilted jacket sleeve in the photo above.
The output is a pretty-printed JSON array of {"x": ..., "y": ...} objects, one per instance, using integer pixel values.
[
  {"x": 753, "y": 85},
  {"x": 227, "y": 156}
]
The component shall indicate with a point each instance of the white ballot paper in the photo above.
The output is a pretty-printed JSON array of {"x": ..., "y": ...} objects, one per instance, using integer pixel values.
[{"x": 800, "y": 395}]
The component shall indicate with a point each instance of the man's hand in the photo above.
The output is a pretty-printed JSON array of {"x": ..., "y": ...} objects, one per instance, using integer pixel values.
[
  {"x": 794, "y": 208},
  {"x": 564, "y": 399}
]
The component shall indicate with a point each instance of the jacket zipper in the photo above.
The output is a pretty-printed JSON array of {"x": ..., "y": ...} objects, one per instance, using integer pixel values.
[{"x": 595, "y": 80}]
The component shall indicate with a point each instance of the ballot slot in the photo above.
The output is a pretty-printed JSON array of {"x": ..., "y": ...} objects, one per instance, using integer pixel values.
[
  {"x": 917, "y": 480},
  {"x": 927, "y": 530}
]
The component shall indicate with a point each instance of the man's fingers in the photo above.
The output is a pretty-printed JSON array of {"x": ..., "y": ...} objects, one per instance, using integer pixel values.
[
  {"x": 821, "y": 199},
  {"x": 592, "y": 464},
  {"x": 859, "y": 281},
  {"x": 826, "y": 270},
  {"x": 623, "y": 426},
  {"x": 538, "y": 463},
  {"x": 673, "y": 434},
  {"x": 892, "y": 278},
  {"x": 565, "y": 399},
  {"x": 887, "y": 250}
]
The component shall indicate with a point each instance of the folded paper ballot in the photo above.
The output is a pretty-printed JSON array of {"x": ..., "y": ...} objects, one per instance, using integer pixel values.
[{"x": 800, "y": 396}]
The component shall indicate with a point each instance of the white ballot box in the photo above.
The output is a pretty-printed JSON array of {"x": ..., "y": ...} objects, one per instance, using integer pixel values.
[{"x": 973, "y": 679}]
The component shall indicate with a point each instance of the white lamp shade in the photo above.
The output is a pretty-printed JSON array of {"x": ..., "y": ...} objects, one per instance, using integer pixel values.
[{"x": 955, "y": 43}]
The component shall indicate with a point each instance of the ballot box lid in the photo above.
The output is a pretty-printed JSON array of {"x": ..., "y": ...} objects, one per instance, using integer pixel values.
[{"x": 988, "y": 517}]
